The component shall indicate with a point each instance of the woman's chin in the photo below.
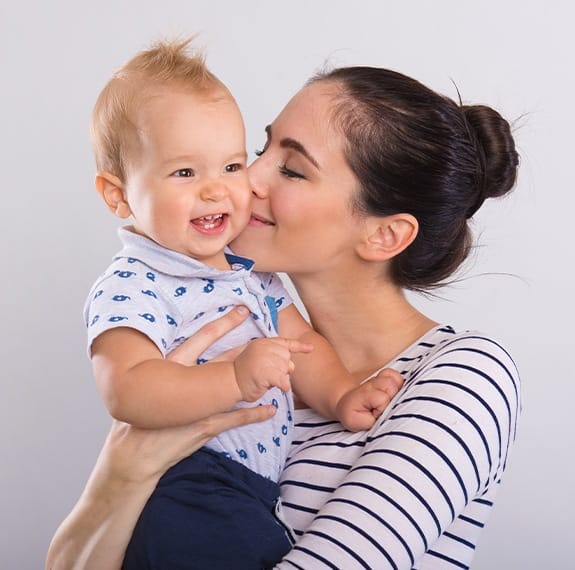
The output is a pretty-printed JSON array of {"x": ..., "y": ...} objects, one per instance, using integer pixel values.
[
  {"x": 247, "y": 243},
  {"x": 254, "y": 245}
]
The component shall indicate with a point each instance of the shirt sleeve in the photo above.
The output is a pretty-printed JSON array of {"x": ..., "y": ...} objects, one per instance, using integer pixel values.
[
  {"x": 126, "y": 298},
  {"x": 443, "y": 444}
]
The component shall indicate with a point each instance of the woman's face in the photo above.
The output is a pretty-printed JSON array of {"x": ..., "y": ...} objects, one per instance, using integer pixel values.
[{"x": 302, "y": 219}]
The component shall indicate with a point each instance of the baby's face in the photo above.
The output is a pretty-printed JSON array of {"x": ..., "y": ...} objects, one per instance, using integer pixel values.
[{"x": 188, "y": 189}]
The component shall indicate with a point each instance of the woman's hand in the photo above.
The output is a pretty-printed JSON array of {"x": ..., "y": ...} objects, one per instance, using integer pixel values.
[
  {"x": 189, "y": 351},
  {"x": 135, "y": 455}
]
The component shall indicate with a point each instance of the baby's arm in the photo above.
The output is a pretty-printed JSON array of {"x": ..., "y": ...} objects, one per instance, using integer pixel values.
[
  {"x": 322, "y": 382},
  {"x": 140, "y": 387}
]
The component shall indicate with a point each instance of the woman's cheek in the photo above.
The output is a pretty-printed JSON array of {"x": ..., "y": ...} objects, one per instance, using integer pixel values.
[{"x": 289, "y": 211}]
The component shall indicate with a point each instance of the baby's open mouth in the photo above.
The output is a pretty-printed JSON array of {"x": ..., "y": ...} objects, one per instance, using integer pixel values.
[{"x": 208, "y": 223}]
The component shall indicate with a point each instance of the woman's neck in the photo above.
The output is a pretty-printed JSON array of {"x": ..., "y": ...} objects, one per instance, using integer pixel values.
[{"x": 367, "y": 321}]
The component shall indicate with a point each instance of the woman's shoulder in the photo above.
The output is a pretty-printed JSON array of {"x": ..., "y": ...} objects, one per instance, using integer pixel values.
[
  {"x": 442, "y": 335},
  {"x": 445, "y": 346},
  {"x": 467, "y": 372},
  {"x": 461, "y": 388}
]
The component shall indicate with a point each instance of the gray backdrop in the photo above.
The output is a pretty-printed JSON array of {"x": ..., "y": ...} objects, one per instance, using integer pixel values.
[{"x": 57, "y": 236}]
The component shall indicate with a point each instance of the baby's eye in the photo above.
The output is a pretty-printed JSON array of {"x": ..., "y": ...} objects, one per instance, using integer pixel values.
[
  {"x": 233, "y": 167},
  {"x": 183, "y": 173}
]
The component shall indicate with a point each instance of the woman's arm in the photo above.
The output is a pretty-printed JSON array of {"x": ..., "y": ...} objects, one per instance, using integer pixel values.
[{"x": 97, "y": 531}]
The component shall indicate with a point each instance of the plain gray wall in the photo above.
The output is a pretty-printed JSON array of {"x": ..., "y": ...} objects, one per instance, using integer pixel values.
[{"x": 56, "y": 235}]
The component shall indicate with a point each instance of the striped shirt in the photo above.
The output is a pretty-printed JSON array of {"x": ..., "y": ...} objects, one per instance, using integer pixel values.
[{"x": 415, "y": 491}]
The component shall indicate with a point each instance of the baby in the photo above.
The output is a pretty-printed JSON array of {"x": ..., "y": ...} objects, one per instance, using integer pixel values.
[{"x": 169, "y": 144}]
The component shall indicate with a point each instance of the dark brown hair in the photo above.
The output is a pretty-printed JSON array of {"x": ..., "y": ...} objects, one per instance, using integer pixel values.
[{"x": 415, "y": 151}]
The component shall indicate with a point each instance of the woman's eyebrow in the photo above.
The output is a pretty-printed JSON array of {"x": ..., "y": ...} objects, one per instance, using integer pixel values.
[{"x": 293, "y": 144}]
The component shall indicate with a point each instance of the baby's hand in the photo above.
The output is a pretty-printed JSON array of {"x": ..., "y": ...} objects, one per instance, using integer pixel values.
[
  {"x": 359, "y": 408},
  {"x": 265, "y": 363}
]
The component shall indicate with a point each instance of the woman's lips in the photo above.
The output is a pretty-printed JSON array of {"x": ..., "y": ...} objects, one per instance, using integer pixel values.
[{"x": 258, "y": 221}]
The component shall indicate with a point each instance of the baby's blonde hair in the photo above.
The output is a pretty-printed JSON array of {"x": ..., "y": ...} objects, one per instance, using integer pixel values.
[{"x": 114, "y": 128}]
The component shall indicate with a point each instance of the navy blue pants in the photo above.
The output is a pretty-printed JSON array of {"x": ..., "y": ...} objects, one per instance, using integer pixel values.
[{"x": 208, "y": 512}]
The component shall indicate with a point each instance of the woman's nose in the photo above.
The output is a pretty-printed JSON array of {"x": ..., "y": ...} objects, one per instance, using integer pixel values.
[{"x": 258, "y": 173}]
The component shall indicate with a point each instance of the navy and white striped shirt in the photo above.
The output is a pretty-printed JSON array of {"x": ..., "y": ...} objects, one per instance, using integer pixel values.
[{"x": 416, "y": 490}]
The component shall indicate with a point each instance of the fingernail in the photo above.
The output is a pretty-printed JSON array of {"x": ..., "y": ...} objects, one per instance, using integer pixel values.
[{"x": 242, "y": 310}]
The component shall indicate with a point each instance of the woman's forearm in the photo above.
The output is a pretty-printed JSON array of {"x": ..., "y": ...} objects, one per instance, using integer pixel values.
[{"x": 97, "y": 531}]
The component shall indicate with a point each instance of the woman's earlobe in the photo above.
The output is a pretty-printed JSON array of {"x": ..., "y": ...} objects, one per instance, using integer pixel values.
[
  {"x": 388, "y": 236},
  {"x": 111, "y": 189}
]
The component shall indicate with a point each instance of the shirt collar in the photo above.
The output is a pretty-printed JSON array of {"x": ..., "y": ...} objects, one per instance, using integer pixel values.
[{"x": 165, "y": 260}]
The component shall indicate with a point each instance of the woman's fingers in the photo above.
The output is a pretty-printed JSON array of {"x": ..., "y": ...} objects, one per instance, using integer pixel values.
[
  {"x": 189, "y": 351},
  {"x": 216, "y": 424},
  {"x": 185, "y": 440},
  {"x": 136, "y": 454}
]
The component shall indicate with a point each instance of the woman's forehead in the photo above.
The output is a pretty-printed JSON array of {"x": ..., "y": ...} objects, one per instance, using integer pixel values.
[
  {"x": 314, "y": 102},
  {"x": 308, "y": 118}
]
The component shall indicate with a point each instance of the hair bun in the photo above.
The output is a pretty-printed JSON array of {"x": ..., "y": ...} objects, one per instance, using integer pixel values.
[{"x": 496, "y": 149}]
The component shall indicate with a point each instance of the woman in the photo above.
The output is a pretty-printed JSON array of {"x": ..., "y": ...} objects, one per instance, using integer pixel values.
[{"x": 364, "y": 188}]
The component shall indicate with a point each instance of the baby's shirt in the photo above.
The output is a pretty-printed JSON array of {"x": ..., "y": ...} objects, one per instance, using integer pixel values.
[{"x": 169, "y": 296}]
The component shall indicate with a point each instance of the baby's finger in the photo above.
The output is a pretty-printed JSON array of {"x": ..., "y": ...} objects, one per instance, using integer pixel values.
[{"x": 388, "y": 380}]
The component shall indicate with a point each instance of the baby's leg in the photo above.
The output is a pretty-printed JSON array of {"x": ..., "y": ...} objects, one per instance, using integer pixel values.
[{"x": 208, "y": 512}]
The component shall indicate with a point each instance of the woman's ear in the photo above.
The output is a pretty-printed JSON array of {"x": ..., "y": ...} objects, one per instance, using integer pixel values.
[
  {"x": 387, "y": 236},
  {"x": 111, "y": 189}
]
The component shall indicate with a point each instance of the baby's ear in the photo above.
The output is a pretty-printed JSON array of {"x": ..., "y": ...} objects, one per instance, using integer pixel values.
[{"x": 111, "y": 189}]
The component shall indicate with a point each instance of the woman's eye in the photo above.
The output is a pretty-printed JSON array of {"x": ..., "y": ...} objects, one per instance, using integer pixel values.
[
  {"x": 233, "y": 167},
  {"x": 183, "y": 173},
  {"x": 289, "y": 173}
]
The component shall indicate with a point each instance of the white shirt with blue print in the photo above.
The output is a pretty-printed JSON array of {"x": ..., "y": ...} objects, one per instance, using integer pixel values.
[{"x": 168, "y": 296}]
